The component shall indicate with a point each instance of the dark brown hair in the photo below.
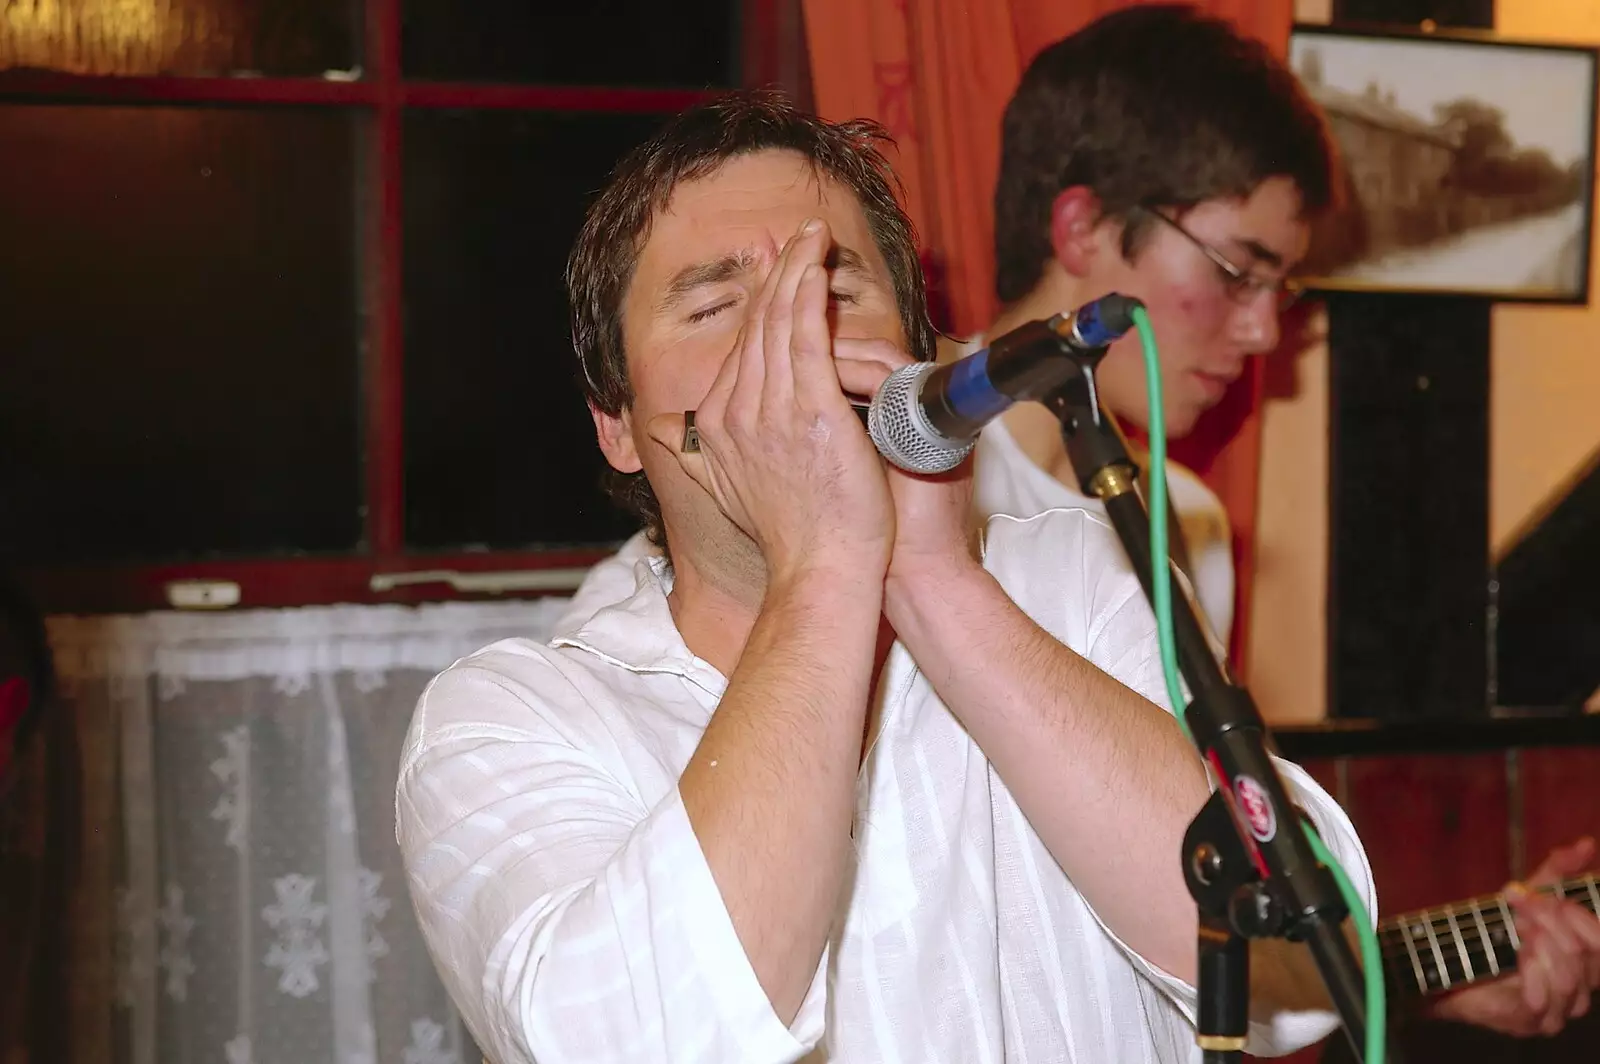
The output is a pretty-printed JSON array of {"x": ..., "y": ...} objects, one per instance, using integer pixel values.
[
  {"x": 1154, "y": 105},
  {"x": 694, "y": 145}
]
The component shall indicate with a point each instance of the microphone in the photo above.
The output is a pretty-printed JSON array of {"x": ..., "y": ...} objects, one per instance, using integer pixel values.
[{"x": 926, "y": 418}]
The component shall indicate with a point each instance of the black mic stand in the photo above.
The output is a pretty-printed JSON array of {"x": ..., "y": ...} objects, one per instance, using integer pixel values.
[{"x": 1245, "y": 856}]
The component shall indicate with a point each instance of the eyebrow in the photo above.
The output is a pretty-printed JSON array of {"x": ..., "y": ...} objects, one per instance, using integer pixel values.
[
  {"x": 1259, "y": 251},
  {"x": 736, "y": 264},
  {"x": 842, "y": 259},
  {"x": 719, "y": 270}
]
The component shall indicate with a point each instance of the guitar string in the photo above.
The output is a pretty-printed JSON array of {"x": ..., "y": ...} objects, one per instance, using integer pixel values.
[{"x": 1404, "y": 952}]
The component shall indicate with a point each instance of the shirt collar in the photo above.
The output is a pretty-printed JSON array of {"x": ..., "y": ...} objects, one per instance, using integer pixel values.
[{"x": 639, "y": 634}]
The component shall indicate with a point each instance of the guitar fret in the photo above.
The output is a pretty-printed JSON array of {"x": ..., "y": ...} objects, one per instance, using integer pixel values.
[
  {"x": 1461, "y": 945},
  {"x": 1438, "y": 954},
  {"x": 1483, "y": 936},
  {"x": 1416, "y": 962},
  {"x": 1511, "y": 925},
  {"x": 1492, "y": 930}
]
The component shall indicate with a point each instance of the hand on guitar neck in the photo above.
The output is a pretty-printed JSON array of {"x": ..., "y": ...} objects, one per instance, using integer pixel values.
[{"x": 1522, "y": 963}]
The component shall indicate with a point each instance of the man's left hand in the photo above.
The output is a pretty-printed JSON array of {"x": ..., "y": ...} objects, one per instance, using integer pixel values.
[
  {"x": 1558, "y": 967},
  {"x": 934, "y": 528}
]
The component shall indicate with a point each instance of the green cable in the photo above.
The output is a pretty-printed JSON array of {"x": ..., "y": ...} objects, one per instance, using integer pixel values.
[
  {"x": 1161, "y": 581},
  {"x": 1371, "y": 959},
  {"x": 1160, "y": 567}
]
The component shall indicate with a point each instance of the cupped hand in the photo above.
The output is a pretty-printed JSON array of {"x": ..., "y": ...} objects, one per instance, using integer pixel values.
[{"x": 781, "y": 451}]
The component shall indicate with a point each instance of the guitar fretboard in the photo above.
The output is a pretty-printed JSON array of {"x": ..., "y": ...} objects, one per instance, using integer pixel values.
[{"x": 1433, "y": 950}]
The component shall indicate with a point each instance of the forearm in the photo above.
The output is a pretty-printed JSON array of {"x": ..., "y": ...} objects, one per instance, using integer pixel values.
[
  {"x": 770, "y": 790},
  {"x": 1284, "y": 975},
  {"x": 1105, "y": 777}
]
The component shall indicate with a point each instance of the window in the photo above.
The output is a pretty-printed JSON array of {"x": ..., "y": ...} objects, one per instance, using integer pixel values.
[
  {"x": 488, "y": 221},
  {"x": 164, "y": 323},
  {"x": 283, "y": 281}
]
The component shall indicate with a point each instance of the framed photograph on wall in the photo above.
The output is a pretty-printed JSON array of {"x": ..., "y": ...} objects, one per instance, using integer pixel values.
[{"x": 1467, "y": 163}]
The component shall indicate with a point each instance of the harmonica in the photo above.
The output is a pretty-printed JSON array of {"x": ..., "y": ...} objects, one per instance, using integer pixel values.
[{"x": 691, "y": 435}]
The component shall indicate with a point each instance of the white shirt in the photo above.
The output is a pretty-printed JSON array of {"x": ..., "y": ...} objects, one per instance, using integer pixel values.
[
  {"x": 1005, "y": 481},
  {"x": 570, "y": 910}
]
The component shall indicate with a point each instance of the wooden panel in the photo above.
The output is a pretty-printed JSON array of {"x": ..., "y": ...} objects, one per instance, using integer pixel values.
[
  {"x": 1560, "y": 798},
  {"x": 1560, "y": 803},
  {"x": 1435, "y": 826},
  {"x": 1438, "y": 1042}
]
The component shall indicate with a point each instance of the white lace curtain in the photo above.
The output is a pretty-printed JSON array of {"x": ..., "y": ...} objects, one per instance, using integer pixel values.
[{"x": 240, "y": 898}]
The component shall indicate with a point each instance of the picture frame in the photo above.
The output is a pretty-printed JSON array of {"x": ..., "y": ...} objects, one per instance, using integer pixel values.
[{"x": 1466, "y": 163}]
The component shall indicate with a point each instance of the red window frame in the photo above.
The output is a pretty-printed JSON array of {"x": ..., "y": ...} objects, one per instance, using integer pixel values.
[{"x": 772, "y": 52}]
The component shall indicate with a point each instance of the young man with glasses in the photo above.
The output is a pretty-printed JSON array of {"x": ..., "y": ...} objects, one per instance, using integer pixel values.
[{"x": 1158, "y": 154}]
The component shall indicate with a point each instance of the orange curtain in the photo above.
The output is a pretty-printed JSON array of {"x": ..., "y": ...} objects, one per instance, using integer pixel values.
[{"x": 938, "y": 74}]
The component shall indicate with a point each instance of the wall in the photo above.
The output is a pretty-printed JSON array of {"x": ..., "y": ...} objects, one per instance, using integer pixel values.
[
  {"x": 1285, "y": 659},
  {"x": 1546, "y": 377},
  {"x": 1546, "y": 361}
]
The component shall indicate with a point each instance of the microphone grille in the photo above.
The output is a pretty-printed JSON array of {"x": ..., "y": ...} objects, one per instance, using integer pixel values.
[{"x": 900, "y": 429}]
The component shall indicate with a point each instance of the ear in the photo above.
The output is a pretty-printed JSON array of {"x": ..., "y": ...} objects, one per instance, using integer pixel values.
[
  {"x": 1074, "y": 217},
  {"x": 615, "y": 433}
]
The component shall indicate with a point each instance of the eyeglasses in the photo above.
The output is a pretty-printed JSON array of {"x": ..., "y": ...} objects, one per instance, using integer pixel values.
[{"x": 1242, "y": 285}]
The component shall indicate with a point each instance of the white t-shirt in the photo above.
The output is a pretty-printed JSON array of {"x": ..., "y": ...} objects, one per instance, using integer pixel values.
[
  {"x": 1005, "y": 481},
  {"x": 570, "y": 911}
]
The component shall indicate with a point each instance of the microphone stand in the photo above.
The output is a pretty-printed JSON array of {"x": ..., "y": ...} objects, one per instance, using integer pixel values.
[{"x": 1245, "y": 857}]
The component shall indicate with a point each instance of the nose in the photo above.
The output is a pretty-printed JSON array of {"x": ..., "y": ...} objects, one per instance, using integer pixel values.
[{"x": 1255, "y": 324}]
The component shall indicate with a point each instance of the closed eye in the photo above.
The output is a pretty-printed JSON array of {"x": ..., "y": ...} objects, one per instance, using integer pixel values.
[
  {"x": 701, "y": 315},
  {"x": 844, "y": 298}
]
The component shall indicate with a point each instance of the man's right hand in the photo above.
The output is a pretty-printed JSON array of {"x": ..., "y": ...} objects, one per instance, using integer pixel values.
[{"x": 781, "y": 450}]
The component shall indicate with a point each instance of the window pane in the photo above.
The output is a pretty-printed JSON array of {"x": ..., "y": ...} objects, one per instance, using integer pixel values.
[
  {"x": 688, "y": 43},
  {"x": 281, "y": 37},
  {"x": 178, "y": 354},
  {"x": 499, "y": 447}
]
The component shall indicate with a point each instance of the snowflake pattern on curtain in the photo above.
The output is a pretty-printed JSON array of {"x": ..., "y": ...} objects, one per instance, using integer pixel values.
[
  {"x": 174, "y": 956},
  {"x": 232, "y": 769},
  {"x": 135, "y": 933},
  {"x": 237, "y": 1050},
  {"x": 374, "y": 907},
  {"x": 298, "y": 950},
  {"x": 239, "y": 775},
  {"x": 427, "y": 1045}
]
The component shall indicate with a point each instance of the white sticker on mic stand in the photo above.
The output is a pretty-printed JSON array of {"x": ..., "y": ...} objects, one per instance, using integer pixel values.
[{"x": 1258, "y": 812}]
